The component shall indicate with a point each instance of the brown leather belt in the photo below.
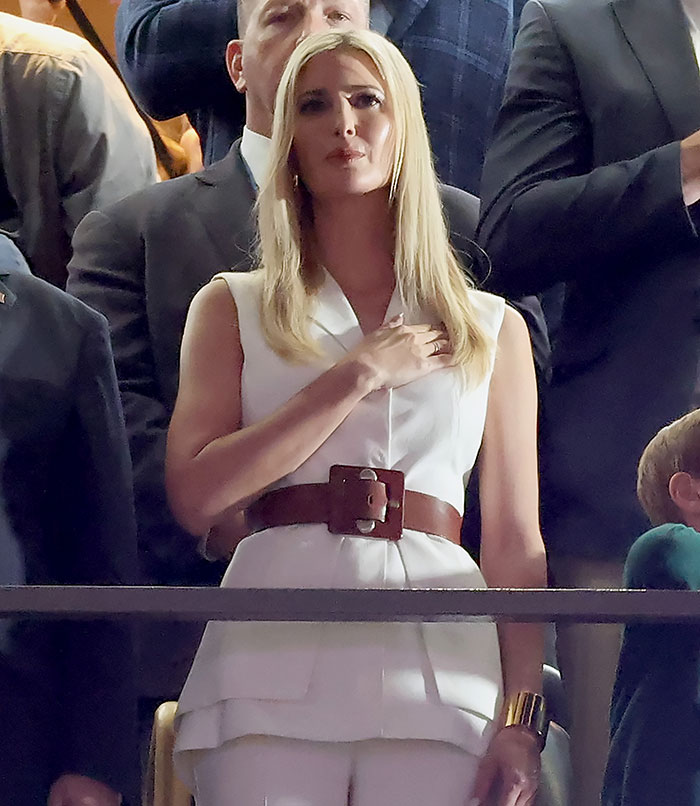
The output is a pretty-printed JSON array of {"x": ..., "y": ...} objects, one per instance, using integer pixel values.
[{"x": 366, "y": 501}]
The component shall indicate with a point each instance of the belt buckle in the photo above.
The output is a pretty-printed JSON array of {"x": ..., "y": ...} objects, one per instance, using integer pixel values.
[{"x": 366, "y": 501}]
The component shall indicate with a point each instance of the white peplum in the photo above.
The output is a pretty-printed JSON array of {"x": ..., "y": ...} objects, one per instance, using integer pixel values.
[{"x": 346, "y": 682}]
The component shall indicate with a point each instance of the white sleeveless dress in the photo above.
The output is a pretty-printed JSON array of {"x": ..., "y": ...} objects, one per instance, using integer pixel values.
[{"x": 346, "y": 682}]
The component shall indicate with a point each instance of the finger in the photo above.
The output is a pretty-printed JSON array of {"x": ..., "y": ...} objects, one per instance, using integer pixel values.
[
  {"x": 527, "y": 794},
  {"x": 429, "y": 335},
  {"x": 520, "y": 790},
  {"x": 509, "y": 795},
  {"x": 424, "y": 330},
  {"x": 395, "y": 321},
  {"x": 484, "y": 782},
  {"x": 438, "y": 347}
]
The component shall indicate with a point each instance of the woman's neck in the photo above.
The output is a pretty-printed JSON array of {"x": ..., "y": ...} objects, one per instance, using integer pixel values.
[{"x": 355, "y": 241}]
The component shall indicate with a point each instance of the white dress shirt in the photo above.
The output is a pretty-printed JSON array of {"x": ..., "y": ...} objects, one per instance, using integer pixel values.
[
  {"x": 255, "y": 150},
  {"x": 692, "y": 13}
]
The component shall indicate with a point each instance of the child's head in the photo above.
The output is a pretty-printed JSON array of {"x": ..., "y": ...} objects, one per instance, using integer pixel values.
[{"x": 668, "y": 477}]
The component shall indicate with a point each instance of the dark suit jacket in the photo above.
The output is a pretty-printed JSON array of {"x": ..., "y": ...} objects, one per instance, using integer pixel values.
[
  {"x": 67, "y": 695},
  {"x": 140, "y": 262},
  {"x": 582, "y": 185},
  {"x": 654, "y": 754},
  {"x": 171, "y": 53}
]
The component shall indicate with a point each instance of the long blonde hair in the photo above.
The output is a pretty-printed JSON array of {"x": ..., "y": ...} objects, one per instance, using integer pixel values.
[{"x": 427, "y": 271}]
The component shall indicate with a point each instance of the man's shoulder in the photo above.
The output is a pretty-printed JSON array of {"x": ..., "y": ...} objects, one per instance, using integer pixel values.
[
  {"x": 163, "y": 201},
  {"x": 665, "y": 556},
  {"x": 462, "y": 211},
  {"x": 52, "y": 306},
  {"x": 20, "y": 35},
  {"x": 154, "y": 197},
  {"x": 570, "y": 9},
  {"x": 575, "y": 6},
  {"x": 458, "y": 199},
  {"x": 44, "y": 45}
]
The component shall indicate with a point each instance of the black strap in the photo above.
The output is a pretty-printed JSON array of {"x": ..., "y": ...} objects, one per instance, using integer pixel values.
[{"x": 89, "y": 32}]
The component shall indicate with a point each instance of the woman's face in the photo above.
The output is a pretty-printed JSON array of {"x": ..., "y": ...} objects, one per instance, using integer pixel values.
[{"x": 344, "y": 130}]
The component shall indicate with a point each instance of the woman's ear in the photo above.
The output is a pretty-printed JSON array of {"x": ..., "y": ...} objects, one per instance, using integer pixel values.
[
  {"x": 234, "y": 64},
  {"x": 684, "y": 490},
  {"x": 293, "y": 162}
]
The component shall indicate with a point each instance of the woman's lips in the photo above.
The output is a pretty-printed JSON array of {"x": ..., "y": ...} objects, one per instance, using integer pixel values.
[{"x": 345, "y": 155}]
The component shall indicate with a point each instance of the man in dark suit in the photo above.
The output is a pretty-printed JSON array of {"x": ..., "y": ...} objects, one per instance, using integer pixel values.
[
  {"x": 592, "y": 181},
  {"x": 67, "y": 693},
  {"x": 141, "y": 261},
  {"x": 170, "y": 54}
]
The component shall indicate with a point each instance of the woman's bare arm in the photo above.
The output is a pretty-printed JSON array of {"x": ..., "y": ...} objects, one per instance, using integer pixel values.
[
  {"x": 512, "y": 553},
  {"x": 212, "y": 465}
]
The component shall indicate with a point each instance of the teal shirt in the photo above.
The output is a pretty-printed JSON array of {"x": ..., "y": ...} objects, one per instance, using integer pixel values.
[{"x": 654, "y": 754}]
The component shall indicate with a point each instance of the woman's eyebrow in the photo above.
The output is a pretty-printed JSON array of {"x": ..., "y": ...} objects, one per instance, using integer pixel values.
[
  {"x": 360, "y": 87},
  {"x": 347, "y": 88},
  {"x": 313, "y": 92}
]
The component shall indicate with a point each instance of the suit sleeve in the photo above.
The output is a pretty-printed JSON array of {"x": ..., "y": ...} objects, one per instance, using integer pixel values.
[
  {"x": 98, "y": 690},
  {"x": 107, "y": 273},
  {"x": 171, "y": 52},
  {"x": 546, "y": 210}
]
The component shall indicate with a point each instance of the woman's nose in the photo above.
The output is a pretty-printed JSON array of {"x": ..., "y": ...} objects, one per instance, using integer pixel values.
[{"x": 346, "y": 122}]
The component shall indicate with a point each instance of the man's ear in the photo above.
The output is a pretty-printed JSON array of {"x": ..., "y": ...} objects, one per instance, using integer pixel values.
[
  {"x": 234, "y": 63},
  {"x": 684, "y": 490}
]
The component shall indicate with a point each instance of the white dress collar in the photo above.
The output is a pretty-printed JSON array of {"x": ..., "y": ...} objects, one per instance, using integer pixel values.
[{"x": 335, "y": 315}]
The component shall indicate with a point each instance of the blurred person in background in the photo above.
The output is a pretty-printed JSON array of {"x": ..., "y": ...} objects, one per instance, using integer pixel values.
[
  {"x": 71, "y": 140},
  {"x": 655, "y": 716},
  {"x": 593, "y": 180},
  {"x": 45, "y": 11},
  {"x": 68, "y": 723}
]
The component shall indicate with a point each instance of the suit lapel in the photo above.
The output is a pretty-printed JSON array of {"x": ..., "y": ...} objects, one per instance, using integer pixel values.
[
  {"x": 657, "y": 32},
  {"x": 234, "y": 202},
  {"x": 405, "y": 15}
]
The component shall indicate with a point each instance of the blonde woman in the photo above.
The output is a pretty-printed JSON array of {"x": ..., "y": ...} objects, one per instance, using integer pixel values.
[{"x": 338, "y": 397}]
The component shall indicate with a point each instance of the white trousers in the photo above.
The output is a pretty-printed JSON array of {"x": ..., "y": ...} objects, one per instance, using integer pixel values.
[{"x": 273, "y": 771}]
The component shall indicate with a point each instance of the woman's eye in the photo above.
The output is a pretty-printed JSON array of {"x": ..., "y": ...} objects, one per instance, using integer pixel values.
[
  {"x": 367, "y": 100},
  {"x": 309, "y": 106}
]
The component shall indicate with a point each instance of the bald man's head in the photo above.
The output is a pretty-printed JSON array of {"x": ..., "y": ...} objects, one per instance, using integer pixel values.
[
  {"x": 269, "y": 30},
  {"x": 245, "y": 7}
]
